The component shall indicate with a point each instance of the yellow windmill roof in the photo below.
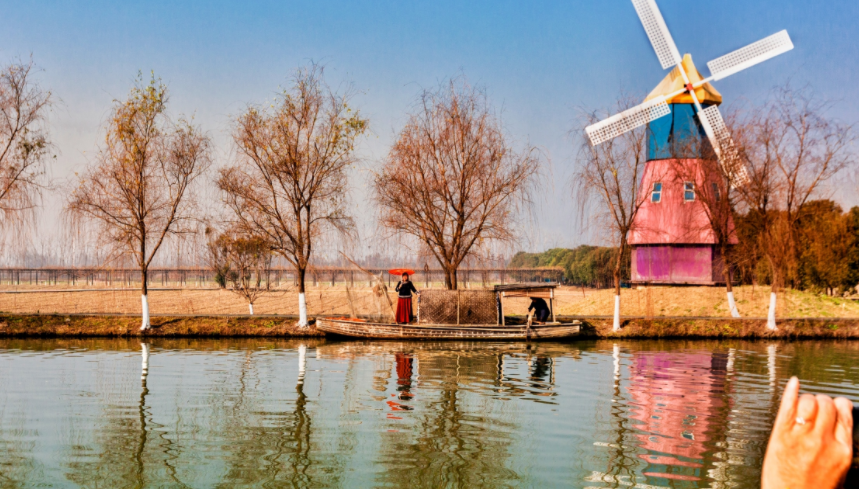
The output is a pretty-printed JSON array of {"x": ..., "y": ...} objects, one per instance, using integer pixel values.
[{"x": 674, "y": 81}]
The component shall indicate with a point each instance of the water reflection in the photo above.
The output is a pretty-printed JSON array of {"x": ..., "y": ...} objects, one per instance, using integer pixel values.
[
  {"x": 677, "y": 404},
  {"x": 310, "y": 413}
]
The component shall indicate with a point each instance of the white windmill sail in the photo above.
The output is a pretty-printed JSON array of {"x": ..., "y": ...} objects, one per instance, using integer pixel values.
[
  {"x": 657, "y": 32},
  {"x": 723, "y": 144},
  {"x": 627, "y": 120},
  {"x": 750, "y": 55}
]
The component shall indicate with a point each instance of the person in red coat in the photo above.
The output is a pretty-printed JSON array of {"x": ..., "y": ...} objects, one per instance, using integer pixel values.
[{"x": 404, "y": 305}]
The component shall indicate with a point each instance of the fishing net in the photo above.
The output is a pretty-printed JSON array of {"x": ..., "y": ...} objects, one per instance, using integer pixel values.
[{"x": 457, "y": 307}]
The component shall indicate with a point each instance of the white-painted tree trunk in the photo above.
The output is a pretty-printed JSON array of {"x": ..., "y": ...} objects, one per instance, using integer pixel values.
[
  {"x": 302, "y": 310},
  {"x": 771, "y": 315},
  {"x": 145, "y": 303},
  {"x": 616, "y": 324},
  {"x": 302, "y": 363},
  {"x": 144, "y": 368},
  {"x": 733, "y": 305},
  {"x": 251, "y": 307}
]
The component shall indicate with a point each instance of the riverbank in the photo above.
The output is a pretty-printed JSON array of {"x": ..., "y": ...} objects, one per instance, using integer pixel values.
[
  {"x": 747, "y": 328},
  {"x": 59, "y": 325},
  {"x": 162, "y": 326}
]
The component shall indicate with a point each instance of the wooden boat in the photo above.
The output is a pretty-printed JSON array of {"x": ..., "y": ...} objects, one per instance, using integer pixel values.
[
  {"x": 461, "y": 315},
  {"x": 363, "y": 329}
]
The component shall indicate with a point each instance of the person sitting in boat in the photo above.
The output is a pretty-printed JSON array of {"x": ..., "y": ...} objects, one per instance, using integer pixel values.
[
  {"x": 541, "y": 309},
  {"x": 404, "y": 305}
]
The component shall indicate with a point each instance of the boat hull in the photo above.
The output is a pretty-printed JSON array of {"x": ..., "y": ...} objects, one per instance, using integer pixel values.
[{"x": 358, "y": 329}]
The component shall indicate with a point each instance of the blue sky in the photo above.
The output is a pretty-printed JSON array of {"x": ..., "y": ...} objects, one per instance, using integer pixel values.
[{"x": 540, "y": 61}]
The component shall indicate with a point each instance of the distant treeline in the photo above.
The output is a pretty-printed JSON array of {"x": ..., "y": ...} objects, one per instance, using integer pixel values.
[
  {"x": 585, "y": 265},
  {"x": 827, "y": 253}
]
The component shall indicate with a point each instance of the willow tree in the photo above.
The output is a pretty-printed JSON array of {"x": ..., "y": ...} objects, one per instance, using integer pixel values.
[
  {"x": 24, "y": 145},
  {"x": 139, "y": 190},
  {"x": 452, "y": 180},
  {"x": 793, "y": 150},
  {"x": 607, "y": 182},
  {"x": 289, "y": 183}
]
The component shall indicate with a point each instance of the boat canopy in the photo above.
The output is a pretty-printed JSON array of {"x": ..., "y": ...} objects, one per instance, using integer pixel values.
[{"x": 535, "y": 289}]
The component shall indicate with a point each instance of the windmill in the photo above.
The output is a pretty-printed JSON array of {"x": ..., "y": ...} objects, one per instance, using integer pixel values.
[
  {"x": 710, "y": 118},
  {"x": 672, "y": 238}
]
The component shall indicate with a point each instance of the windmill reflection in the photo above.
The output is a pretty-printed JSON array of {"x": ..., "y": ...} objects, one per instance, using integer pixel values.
[{"x": 679, "y": 408}]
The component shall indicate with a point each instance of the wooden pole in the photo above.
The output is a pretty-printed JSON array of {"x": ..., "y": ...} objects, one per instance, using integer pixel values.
[
  {"x": 551, "y": 304},
  {"x": 351, "y": 303}
]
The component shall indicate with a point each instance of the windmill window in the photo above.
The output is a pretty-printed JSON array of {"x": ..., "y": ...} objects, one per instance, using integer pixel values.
[
  {"x": 656, "y": 193},
  {"x": 688, "y": 191},
  {"x": 716, "y": 195}
]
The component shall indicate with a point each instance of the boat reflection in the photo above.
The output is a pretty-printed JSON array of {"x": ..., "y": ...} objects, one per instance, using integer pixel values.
[{"x": 437, "y": 435}]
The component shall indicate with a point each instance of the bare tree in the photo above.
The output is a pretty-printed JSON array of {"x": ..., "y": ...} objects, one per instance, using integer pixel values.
[
  {"x": 793, "y": 150},
  {"x": 289, "y": 184},
  {"x": 24, "y": 144},
  {"x": 712, "y": 183},
  {"x": 451, "y": 179},
  {"x": 138, "y": 192},
  {"x": 248, "y": 258},
  {"x": 608, "y": 176},
  {"x": 217, "y": 256}
]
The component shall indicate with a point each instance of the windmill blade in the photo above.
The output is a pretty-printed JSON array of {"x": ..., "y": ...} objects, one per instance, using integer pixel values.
[
  {"x": 657, "y": 32},
  {"x": 627, "y": 120},
  {"x": 750, "y": 55},
  {"x": 720, "y": 138}
]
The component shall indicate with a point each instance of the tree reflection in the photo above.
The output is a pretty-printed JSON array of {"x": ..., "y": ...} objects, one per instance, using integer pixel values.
[
  {"x": 272, "y": 448},
  {"x": 129, "y": 456},
  {"x": 453, "y": 445}
]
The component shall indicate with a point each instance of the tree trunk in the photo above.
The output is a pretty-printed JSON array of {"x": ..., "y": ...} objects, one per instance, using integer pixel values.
[
  {"x": 616, "y": 322},
  {"x": 729, "y": 288},
  {"x": 771, "y": 314},
  {"x": 450, "y": 277},
  {"x": 251, "y": 307},
  {"x": 144, "y": 276},
  {"x": 302, "y": 299}
]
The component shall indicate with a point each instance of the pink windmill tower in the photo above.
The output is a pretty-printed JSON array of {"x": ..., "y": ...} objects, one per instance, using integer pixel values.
[{"x": 671, "y": 238}]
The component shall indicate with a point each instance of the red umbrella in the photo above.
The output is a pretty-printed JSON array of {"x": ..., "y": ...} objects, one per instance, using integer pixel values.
[{"x": 401, "y": 271}]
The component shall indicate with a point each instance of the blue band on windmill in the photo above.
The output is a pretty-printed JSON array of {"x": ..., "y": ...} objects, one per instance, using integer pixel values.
[{"x": 679, "y": 134}]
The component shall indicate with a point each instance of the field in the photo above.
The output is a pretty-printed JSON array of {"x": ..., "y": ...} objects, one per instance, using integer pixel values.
[{"x": 326, "y": 300}]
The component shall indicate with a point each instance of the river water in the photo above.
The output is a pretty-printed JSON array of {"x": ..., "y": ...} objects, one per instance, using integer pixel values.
[{"x": 314, "y": 413}]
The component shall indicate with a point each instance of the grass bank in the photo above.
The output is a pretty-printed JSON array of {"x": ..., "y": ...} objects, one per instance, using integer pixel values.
[
  {"x": 715, "y": 327},
  {"x": 60, "y": 325},
  {"x": 162, "y": 326}
]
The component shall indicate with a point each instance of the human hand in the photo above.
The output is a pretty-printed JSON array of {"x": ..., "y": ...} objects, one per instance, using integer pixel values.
[{"x": 811, "y": 445}]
